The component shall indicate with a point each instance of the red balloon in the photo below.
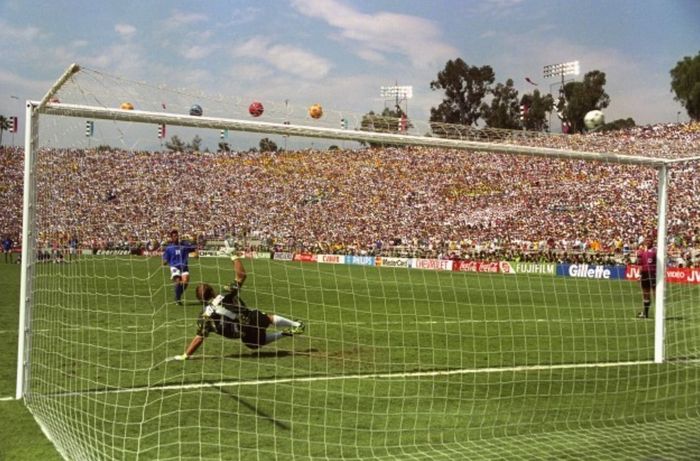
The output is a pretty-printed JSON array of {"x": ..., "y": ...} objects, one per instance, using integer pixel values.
[{"x": 256, "y": 109}]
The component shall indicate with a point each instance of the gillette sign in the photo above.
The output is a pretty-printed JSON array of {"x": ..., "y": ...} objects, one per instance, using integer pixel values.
[{"x": 591, "y": 271}]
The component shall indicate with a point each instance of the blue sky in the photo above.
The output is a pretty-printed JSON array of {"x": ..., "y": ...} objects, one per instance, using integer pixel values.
[{"x": 339, "y": 52}]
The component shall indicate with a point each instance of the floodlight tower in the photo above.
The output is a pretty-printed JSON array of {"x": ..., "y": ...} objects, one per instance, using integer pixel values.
[
  {"x": 398, "y": 94},
  {"x": 560, "y": 70}
]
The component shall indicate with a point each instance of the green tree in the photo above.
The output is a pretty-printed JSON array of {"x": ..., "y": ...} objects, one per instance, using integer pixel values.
[
  {"x": 538, "y": 107},
  {"x": 581, "y": 97},
  {"x": 685, "y": 82},
  {"x": 175, "y": 144},
  {"x": 465, "y": 87},
  {"x": 4, "y": 125},
  {"x": 195, "y": 145},
  {"x": 503, "y": 110},
  {"x": 267, "y": 145}
]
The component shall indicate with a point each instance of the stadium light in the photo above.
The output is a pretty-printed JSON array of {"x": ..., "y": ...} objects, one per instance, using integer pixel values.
[
  {"x": 397, "y": 94},
  {"x": 560, "y": 70}
]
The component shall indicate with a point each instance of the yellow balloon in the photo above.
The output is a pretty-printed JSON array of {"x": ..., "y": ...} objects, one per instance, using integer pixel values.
[{"x": 315, "y": 111}]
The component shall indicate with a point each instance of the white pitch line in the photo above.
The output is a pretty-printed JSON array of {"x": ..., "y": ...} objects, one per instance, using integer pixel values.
[
  {"x": 404, "y": 322},
  {"x": 6, "y": 399},
  {"x": 307, "y": 379},
  {"x": 513, "y": 321},
  {"x": 84, "y": 328}
]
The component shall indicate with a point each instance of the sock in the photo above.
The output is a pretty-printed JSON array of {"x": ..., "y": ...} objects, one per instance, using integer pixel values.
[
  {"x": 178, "y": 291},
  {"x": 647, "y": 304},
  {"x": 282, "y": 322},
  {"x": 272, "y": 337}
]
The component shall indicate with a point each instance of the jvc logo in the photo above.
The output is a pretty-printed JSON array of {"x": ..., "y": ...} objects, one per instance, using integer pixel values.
[
  {"x": 634, "y": 273},
  {"x": 694, "y": 276}
]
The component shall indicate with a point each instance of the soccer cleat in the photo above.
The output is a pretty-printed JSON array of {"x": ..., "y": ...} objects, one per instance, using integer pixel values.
[
  {"x": 642, "y": 315},
  {"x": 179, "y": 303},
  {"x": 297, "y": 330}
]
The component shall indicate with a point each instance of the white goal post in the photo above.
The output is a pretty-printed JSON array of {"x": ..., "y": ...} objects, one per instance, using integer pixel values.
[
  {"x": 69, "y": 110},
  {"x": 35, "y": 109}
]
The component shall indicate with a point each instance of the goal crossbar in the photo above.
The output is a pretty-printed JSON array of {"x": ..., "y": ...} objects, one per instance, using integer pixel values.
[{"x": 137, "y": 116}]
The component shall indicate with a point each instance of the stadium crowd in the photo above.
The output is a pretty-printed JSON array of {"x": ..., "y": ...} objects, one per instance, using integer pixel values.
[{"x": 410, "y": 201}]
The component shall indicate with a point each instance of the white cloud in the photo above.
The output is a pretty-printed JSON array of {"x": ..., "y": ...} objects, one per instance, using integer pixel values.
[
  {"x": 370, "y": 55},
  {"x": 25, "y": 87},
  {"x": 252, "y": 72},
  {"x": 79, "y": 43},
  {"x": 125, "y": 59},
  {"x": 243, "y": 16},
  {"x": 125, "y": 30},
  {"x": 383, "y": 33},
  {"x": 18, "y": 34},
  {"x": 198, "y": 51},
  {"x": 181, "y": 18},
  {"x": 287, "y": 58}
]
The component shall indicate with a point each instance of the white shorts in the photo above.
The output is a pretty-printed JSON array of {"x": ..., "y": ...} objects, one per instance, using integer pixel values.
[{"x": 175, "y": 272}]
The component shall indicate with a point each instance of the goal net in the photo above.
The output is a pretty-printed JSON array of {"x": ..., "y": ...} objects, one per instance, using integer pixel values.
[{"x": 466, "y": 294}]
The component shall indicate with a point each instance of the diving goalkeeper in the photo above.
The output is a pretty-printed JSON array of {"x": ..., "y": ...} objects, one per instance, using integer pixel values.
[{"x": 227, "y": 315}]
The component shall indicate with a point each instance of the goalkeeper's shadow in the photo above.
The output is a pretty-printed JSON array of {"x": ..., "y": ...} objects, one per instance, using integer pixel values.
[
  {"x": 267, "y": 354},
  {"x": 255, "y": 409}
]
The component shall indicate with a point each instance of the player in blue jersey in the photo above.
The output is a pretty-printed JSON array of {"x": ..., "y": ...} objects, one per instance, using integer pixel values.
[
  {"x": 176, "y": 255},
  {"x": 7, "y": 248}
]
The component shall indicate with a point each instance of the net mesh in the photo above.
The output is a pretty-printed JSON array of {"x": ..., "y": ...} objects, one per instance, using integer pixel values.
[{"x": 457, "y": 304}]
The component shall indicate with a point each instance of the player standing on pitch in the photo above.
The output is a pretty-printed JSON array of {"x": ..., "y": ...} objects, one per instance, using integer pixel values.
[
  {"x": 228, "y": 316},
  {"x": 7, "y": 248},
  {"x": 646, "y": 258},
  {"x": 176, "y": 255}
]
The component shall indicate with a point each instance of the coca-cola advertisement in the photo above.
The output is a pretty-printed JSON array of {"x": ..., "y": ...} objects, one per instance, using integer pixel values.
[
  {"x": 465, "y": 266},
  {"x": 477, "y": 266},
  {"x": 304, "y": 257}
]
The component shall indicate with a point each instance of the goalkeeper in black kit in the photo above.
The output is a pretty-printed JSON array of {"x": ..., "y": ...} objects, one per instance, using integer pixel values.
[{"x": 227, "y": 315}]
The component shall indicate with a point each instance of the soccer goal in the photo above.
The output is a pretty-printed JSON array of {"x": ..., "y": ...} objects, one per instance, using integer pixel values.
[{"x": 466, "y": 294}]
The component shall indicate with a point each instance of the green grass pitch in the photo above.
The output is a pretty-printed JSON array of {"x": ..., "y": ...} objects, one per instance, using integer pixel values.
[{"x": 396, "y": 364}]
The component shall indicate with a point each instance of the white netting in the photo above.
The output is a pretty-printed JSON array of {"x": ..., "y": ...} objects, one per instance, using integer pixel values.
[{"x": 458, "y": 304}]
